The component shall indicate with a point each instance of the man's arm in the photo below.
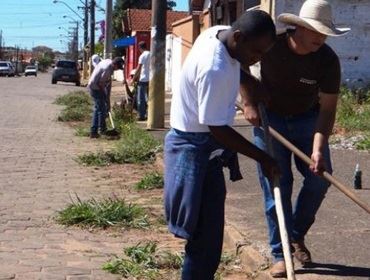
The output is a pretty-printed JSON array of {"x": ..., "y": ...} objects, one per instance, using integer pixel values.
[
  {"x": 137, "y": 73},
  {"x": 232, "y": 140},
  {"x": 324, "y": 127},
  {"x": 251, "y": 92}
]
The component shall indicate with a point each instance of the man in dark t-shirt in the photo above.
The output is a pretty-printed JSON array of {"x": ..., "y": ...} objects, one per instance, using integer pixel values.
[{"x": 300, "y": 76}]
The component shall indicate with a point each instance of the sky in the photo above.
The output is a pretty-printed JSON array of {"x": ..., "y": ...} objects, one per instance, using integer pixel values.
[{"x": 30, "y": 23}]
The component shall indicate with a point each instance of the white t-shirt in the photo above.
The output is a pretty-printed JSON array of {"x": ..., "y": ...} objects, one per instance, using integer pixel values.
[
  {"x": 208, "y": 86},
  {"x": 144, "y": 60}
]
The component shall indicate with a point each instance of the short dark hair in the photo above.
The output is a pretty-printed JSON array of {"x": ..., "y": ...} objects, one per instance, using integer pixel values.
[
  {"x": 256, "y": 23},
  {"x": 119, "y": 62},
  {"x": 142, "y": 45}
]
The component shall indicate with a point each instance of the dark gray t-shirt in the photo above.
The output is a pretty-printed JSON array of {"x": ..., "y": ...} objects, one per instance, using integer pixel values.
[{"x": 294, "y": 81}]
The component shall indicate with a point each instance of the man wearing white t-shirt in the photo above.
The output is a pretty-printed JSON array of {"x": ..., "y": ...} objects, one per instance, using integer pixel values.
[
  {"x": 142, "y": 77},
  {"x": 201, "y": 140}
]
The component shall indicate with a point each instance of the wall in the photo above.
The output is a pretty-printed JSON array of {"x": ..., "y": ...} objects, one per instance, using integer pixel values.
[
  {"x": 352, "y": 48},
  {"x": 188, "y": 30}
]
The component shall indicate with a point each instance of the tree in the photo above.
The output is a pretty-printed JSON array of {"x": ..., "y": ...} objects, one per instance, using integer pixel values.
[
  {"x": 121, "y": 6},
  {"x": 41, "y": 51}
]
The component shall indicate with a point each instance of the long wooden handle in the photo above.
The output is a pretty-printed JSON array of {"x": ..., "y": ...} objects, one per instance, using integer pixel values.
[
  {"x": 278, "y": 201},
  {"x": 326, "y": 175}
]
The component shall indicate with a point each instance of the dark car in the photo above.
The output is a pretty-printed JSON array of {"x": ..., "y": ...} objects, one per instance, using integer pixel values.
[{"x": 66, "y": 71}]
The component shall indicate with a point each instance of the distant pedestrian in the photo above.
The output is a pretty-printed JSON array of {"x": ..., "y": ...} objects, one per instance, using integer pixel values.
[
  {"x": 99, "y": 87},
  {"x": 95, "y": 59},
  {"x": 142, "y": 77}
]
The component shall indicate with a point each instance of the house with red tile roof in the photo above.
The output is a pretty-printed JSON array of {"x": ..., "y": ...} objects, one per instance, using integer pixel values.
[{"x": 137, "y": 23}]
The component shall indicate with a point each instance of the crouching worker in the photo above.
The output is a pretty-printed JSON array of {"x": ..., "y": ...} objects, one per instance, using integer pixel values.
[
  {"x": 99, "y": 87},
  {"x": 201, "y": 140}
]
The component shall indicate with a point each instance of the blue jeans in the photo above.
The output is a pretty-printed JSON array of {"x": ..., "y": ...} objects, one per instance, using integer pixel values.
[
  {"x": 100, "y": 111},
  {"x": 142, "y": 98},
  {"x": 194, "y": 201},
  {"x": 299, "y": 130}
]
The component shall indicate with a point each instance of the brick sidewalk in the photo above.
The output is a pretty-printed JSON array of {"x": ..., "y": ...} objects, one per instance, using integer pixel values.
[{"x": 37, "y": 176}]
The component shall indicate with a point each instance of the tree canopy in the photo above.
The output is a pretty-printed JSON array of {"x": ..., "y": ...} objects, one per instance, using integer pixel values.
[{"x": 121, "y": 6}]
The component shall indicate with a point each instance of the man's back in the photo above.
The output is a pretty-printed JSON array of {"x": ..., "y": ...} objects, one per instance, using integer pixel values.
[
  {"x": 144, "y": 60},
  {"x": 101, "y": 74},
  {"x": 208, "y": 83}
]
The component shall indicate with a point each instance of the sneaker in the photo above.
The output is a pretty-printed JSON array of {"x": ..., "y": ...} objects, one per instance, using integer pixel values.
[
  {"x": 278, "y": 270},
  {"x": 301, "y": 253},
  {"x": 94, "y": 135}
]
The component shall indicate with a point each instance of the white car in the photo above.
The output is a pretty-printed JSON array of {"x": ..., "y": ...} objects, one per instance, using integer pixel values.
[
  {"x": 6, "y": 69},
  {"x": 30, "y": 71}
]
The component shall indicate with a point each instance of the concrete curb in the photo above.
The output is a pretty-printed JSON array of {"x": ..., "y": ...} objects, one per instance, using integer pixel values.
[{"x": 252, "y": 261}]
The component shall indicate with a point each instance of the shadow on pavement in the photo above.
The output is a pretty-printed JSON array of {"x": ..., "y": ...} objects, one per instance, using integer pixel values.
[{"x": 335, "y": 270}]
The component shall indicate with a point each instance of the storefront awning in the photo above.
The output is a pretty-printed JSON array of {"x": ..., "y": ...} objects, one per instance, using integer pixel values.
[{"x": 124, "y": 42}]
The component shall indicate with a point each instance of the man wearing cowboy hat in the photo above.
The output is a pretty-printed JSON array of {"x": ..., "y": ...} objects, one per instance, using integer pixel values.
[{"x": 300, "y": 79}]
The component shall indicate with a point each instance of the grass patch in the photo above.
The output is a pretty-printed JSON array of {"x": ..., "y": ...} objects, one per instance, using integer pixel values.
[
  {"x": 143, "y": 261},
  {"x": 364, "y": 144},
  {"x": 353, "y": 112},
  {"x": 150, "y": 181},
  {"x": 78, "y": 106},
  {"x": 82, "y": 131},
  {"x": 135, "y": 146},
  {"x": 104, "y": 213}
]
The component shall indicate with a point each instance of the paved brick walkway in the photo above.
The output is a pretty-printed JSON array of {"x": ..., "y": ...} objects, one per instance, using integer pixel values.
[{"x": 37, "y": 177}]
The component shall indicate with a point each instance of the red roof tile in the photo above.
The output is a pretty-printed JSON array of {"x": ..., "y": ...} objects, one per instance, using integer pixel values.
[{"x": 140, "y": 19}]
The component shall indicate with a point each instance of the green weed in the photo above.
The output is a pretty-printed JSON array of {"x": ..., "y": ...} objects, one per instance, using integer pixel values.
[
  {"x": 104, "y": 213},
  {"x": 82, "y": 131},
  {"x": 135, "y": 146},
  {"x": 153, "y": 180},
  {"x": 364, "y": 144},
  {"x": 78, "y": 106},
  {"x": 354, "y": 110},
  {"x": 142, "y": 261}
]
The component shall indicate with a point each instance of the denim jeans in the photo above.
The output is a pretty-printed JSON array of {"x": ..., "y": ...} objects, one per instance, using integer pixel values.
[
  {"x": 194, "y": 201},
  {"x": 142, "y": 98},
  {"x": 299, "y": 130},
  {"x": 100, "y": 111}
]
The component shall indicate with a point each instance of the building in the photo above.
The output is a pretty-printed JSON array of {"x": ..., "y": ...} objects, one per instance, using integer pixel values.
[
  {"x": 137, "y": 24},
  {"x": 352, "y": 49}
]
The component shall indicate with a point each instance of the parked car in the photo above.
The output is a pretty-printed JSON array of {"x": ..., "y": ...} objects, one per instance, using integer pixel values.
[
  {"x": 30, "y": 71},
  {"x": 7, "y": 69},
  {"x": 66, "y": 71}
]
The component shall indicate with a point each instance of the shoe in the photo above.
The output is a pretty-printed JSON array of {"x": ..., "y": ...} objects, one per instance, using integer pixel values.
[
  {"x": 278, "y": 270},
  {"x": 94, "y": 135},
  {"x": 301, "y": 253}
]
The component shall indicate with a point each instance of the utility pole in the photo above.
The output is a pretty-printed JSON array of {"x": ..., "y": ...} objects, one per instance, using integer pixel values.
[
  {"x": 86, "y": 30},
  {"x": 156, "y": 101},
  {"x": 1, "y": 44},
  {"x": 76, "y": 34},
  {"x": 108, "y": 30},
  {"x": 92, "y": 31},
  {"x": 16, "y": 62}
]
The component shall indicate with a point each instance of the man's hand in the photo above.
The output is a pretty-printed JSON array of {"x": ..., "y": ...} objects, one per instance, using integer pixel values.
[
  {"x": 318, "y": 166},
  {"x": 270, "y": 167},
  {"x": 251, "y": 115}
]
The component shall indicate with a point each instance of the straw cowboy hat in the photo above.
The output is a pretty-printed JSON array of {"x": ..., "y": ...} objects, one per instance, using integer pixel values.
[{"x": 315, "y": 15}]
